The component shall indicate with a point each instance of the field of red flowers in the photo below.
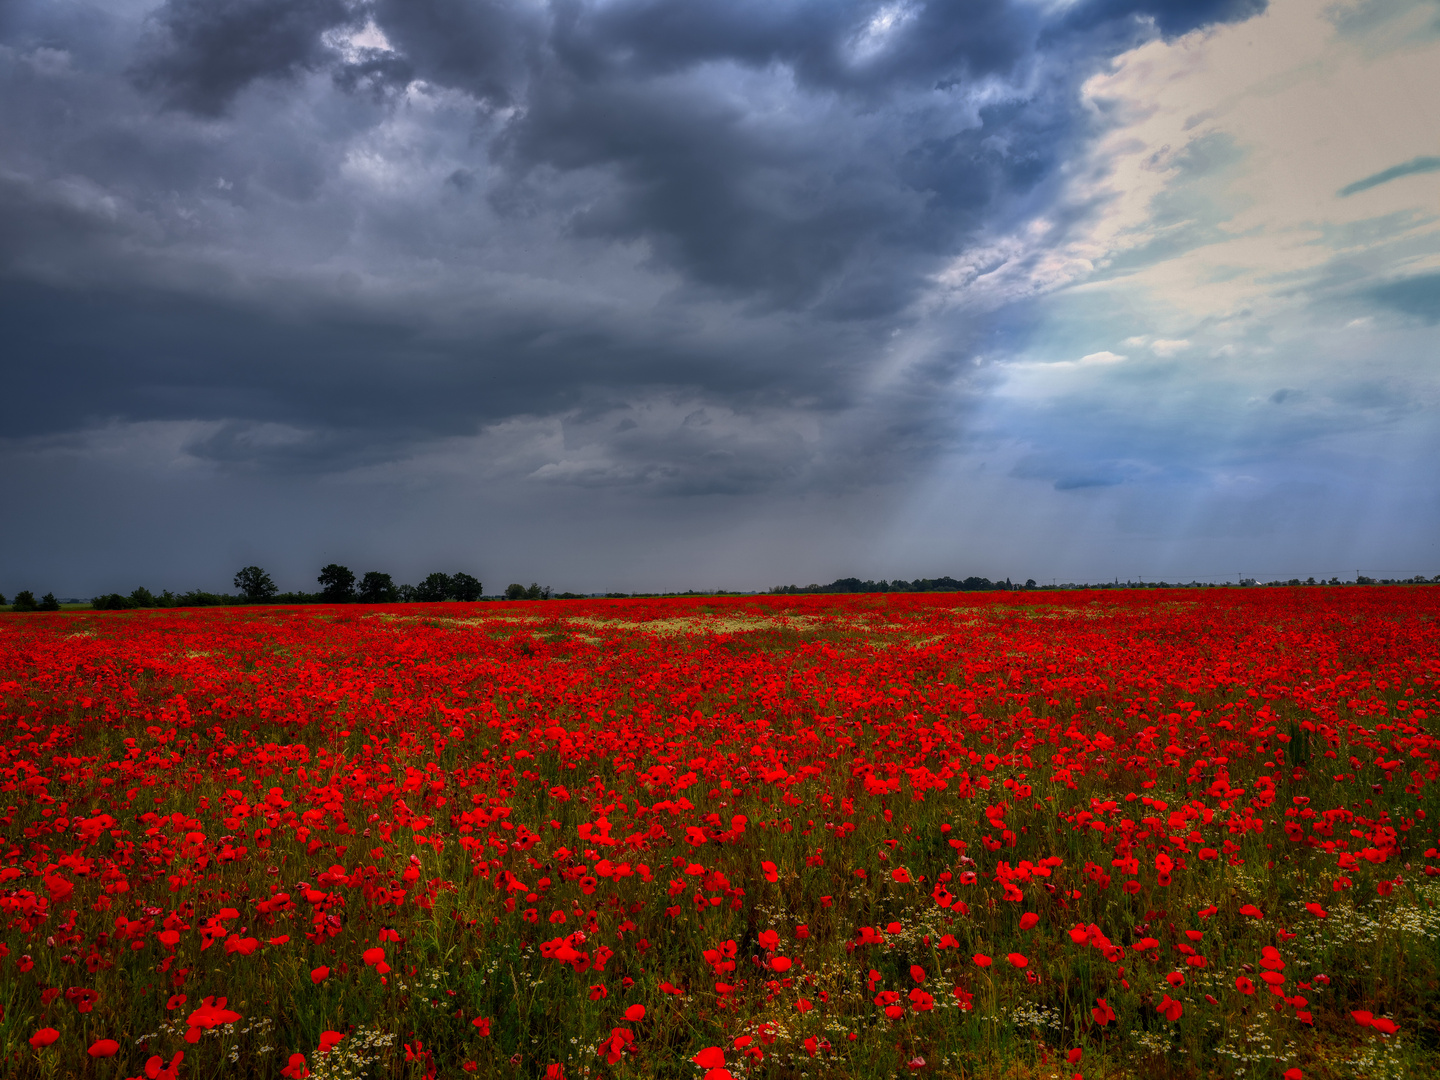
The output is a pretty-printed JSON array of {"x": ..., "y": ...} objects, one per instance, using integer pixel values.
[{"x": 1182, "y": 833}]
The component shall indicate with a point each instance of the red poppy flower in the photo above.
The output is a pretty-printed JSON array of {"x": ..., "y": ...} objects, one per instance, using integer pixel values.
[
  {"x": 712, "y": 1057},
  {"x": 44, "y": 1037},
  {"x": 635, "y": 1013},
  {"x": 103, "y": 1048}
]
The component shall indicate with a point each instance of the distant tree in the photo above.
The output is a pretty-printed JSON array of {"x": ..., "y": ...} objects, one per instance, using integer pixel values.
[
  {"x": 1030, "y": 583},
  {"x": 515, "y": 591},
  {"x": 337, "y": 584},
  {"x": 142, "y": 597},
  {"x": 255, "y": 584},
  {"x": 24, "y": 601},
  {"x": 3, "y": 601},
  {"x": 434, "y": 587},
  {"x": 465, "y": 587},
  {"x": 48, "y": 603},
  {"x": 378, "y": 588},
  {"x": 535, "y": 592},
  {"x": 112, "y": 602}
]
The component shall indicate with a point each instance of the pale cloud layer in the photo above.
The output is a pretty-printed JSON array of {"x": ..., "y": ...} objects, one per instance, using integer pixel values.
[{"x": 656, "y": 293}]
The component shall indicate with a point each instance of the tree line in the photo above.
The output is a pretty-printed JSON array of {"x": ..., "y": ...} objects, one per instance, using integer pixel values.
[
  {"x": 940, "y": 584},
  {"x": 25, "y": 601},
  {"x": 338, "y": 585}
]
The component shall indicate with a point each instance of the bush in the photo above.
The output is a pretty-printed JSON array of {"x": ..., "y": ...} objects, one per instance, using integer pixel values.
[
  {"x": 48, "y": 603},
  {"x": 24, "y": 601},
  {"x": 197, "y": 598},
  {"x": 112, "y": 602}
]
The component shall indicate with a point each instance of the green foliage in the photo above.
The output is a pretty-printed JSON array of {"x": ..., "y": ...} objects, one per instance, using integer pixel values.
[
  {"x": 464, "y": 587},
  {"x": 377, "y": 588},
  {"x": 255, "y": 584},
  {"x": 48, "y": 603},
  {"x": 337, "y": 584},
  {"x": 24, "y": 601},
  {"x": 434, "y": 588}
]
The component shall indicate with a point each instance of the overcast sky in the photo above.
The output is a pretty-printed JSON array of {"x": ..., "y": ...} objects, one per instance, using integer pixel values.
[{"x": 648, "y": 294}]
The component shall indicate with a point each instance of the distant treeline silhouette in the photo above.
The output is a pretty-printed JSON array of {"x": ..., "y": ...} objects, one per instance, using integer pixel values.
[
  {"x": 339, "y": 585},
  {"x": 940, "y": 584}
]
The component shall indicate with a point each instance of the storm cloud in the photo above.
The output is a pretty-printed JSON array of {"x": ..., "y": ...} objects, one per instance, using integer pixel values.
[{"x": 681, "y": 252}]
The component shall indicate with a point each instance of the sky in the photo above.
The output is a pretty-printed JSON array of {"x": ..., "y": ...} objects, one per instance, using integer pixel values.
[{"x": 666, "y": 294}]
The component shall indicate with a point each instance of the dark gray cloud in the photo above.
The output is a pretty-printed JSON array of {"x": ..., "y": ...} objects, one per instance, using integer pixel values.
[
  {"x": 665, "y": 248},
  {"x": 486, "y": 47},
  {"x": 207, "y": 51}
]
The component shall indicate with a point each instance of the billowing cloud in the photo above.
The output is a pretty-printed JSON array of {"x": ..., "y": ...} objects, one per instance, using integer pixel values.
[{"x": 684, "y": 261}]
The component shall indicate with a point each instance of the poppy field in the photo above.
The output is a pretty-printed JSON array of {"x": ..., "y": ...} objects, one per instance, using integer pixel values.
[{"x": 1187, "y": 833}]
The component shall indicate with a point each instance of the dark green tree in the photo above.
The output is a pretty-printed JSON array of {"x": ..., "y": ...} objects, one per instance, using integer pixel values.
[
  {"x": 142, "y": 597},
  {"x": 434, "y": 587},
  {"x": 378, "y": 588},
  {"x": 112, "y": 602},
  {"x": 337, "y": 584},
  {"x": 464, "y": 587},
  {"x": 255, "y": 584},
  {"x": 48, "y": 603},
  {"x": 3, "y": 601},
  {"x": 24, "y": 601},
  {"x": 515, "y": 591}
]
